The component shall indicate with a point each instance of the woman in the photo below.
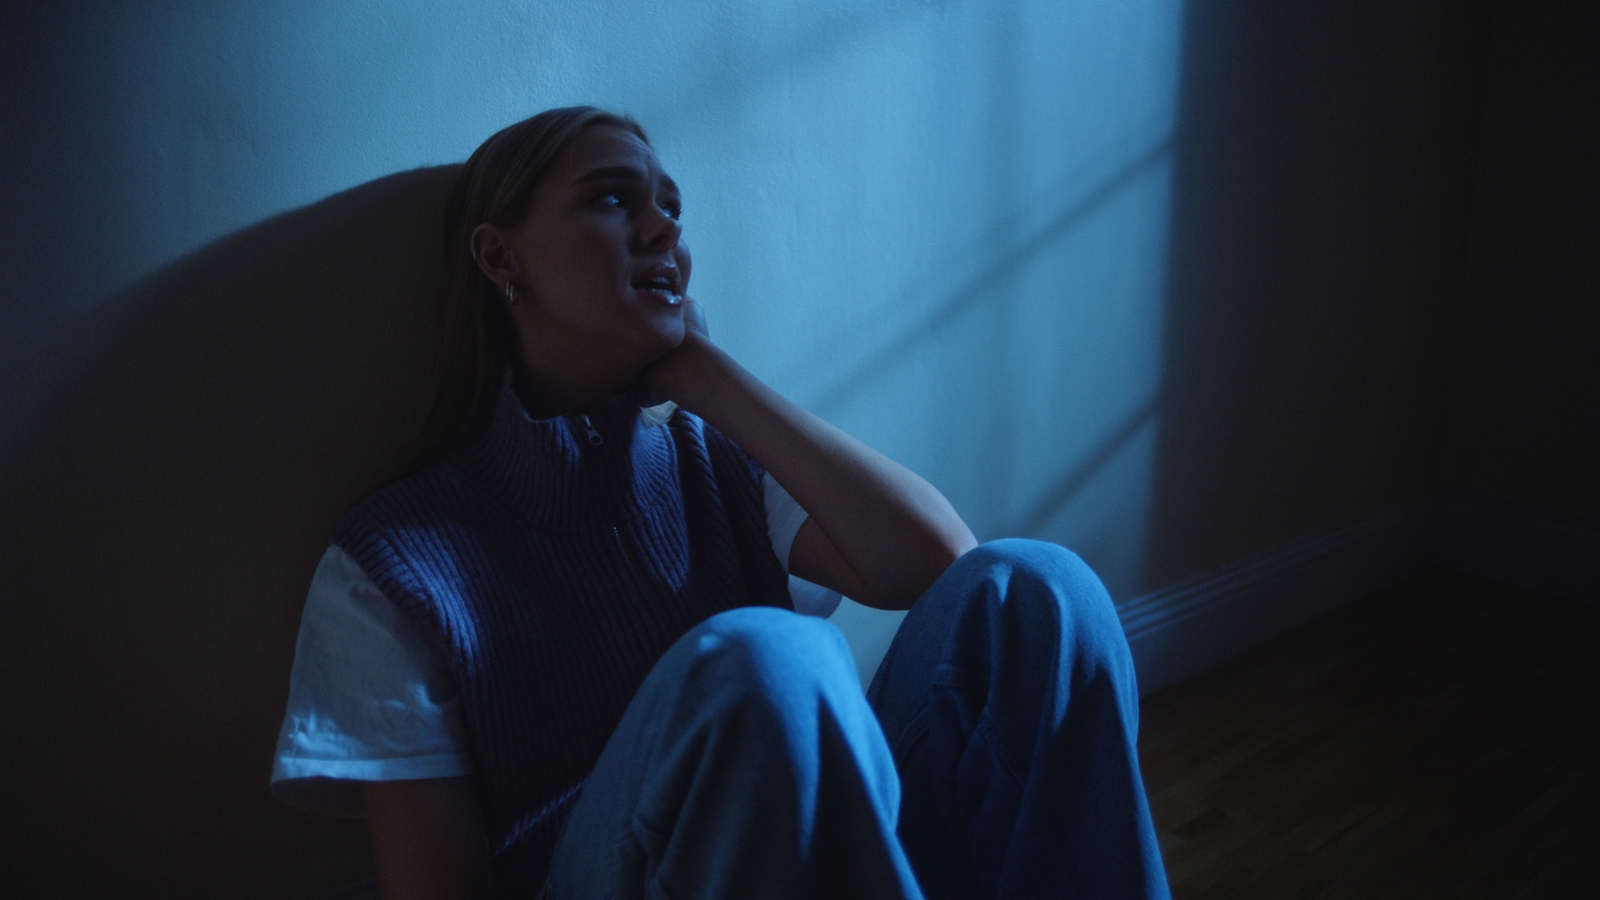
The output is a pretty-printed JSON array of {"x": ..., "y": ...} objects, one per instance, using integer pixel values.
[{"x": 560, "y": 654}]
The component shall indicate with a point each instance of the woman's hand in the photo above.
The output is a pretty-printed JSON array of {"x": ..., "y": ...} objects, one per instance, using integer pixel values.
[{"x": 681, "y": 370}]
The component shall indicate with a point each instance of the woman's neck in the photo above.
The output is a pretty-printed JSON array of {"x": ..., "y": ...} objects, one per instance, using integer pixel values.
[{"x": 545, "y": 395}]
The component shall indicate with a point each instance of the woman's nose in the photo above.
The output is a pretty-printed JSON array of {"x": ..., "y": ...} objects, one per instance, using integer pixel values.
[{"x": 660, "y": 231}]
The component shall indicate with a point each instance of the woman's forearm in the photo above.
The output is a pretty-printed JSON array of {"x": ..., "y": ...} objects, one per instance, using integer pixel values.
[
  {"x": 893, "y": 529},
  {"x": 427, "y": 838}
]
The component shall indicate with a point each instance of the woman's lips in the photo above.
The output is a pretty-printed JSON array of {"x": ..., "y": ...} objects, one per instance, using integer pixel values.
[{"x": 661, "y": 280}]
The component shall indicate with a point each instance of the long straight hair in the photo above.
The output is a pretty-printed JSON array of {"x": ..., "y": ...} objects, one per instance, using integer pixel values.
[{"x": 477, "y": 337}]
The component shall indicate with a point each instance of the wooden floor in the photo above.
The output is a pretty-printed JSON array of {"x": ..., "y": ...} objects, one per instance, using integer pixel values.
[{"x": 1441, "y": 739}]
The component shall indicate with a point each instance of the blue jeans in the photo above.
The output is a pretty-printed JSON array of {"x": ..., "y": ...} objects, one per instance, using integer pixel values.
[{"x": 993, "y": 756}]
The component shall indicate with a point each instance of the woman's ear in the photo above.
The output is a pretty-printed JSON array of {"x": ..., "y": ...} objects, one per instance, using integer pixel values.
[{"x": 492, "y": 252}]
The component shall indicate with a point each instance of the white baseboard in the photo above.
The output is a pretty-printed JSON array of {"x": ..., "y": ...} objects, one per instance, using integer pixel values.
[
  {"x": 1181, "y": 631},
  {"x": 1185, "y": 629}
]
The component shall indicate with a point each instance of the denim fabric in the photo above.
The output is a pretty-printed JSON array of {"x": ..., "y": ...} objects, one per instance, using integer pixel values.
[
  {"x": 749, "y": 765},
  {"x": 1009, "y": 700}
]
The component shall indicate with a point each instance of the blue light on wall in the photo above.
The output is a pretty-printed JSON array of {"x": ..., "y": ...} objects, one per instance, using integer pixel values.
[{"x": 941, "y": 224}]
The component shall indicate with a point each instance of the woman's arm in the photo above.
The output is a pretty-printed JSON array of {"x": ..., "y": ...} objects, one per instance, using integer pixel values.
[
  {"x": 427, "y": 837},
  {"x": 878, "y": 533}
]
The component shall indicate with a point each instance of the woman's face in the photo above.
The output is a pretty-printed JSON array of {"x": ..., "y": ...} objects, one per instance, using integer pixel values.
[{"x": 600, "y": 273}]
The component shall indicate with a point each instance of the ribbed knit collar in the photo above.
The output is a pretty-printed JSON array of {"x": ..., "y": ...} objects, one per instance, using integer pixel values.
[{"x": 550, "y": 473}]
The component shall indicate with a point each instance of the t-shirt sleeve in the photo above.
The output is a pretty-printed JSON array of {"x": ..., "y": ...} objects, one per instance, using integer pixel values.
[
  {"x": 784, "y": 518},
  {"x": 369, "y": 697}
]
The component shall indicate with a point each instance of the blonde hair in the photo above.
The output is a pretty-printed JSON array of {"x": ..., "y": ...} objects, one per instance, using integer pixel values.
[{"x": 477, "y": 338}]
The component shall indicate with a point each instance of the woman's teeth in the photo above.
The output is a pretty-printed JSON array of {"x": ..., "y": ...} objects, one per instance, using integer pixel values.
[{"x": 664, "y": 287}]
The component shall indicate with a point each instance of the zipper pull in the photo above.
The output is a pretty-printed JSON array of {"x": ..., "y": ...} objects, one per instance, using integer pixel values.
[{"x": 594, "y": 436}]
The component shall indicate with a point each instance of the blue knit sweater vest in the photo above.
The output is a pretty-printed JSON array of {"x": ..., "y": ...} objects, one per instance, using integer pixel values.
[{"x": 554, "y": 562}]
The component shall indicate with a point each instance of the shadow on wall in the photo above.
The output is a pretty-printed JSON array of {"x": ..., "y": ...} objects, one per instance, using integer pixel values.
[
  {"x": 1325, "y": 158},
  {"x": 163, "y": 517}
]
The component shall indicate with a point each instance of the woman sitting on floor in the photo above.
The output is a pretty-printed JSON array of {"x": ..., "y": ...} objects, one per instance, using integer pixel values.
[{"x": 561, "y": 655}]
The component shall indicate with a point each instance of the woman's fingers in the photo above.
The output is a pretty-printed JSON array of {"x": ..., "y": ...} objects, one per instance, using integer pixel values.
[
  {"x": 694, "y": 317},
  {"x": 681, "y": 372}
]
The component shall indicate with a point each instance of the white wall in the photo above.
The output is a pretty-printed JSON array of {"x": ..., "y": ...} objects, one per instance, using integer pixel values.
[
  {"x": 940, "y": 224},
  {"x": 899, "y": 210}
]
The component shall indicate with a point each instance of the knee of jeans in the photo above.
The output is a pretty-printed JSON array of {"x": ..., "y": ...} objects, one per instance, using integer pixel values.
[
  {"x": 763, "y": 650},
  {"x": 1045, "y": 578}
]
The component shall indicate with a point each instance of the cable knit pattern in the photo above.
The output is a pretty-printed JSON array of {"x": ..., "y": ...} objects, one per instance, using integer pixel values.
[{"x": 553, "y": 573}]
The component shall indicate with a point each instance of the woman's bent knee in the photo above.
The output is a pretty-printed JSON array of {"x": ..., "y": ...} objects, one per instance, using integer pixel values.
[
  {"x": 785, "y": 682},
  {"x": 769, "y": 649},
  {"x": 1037, "y": 571}
]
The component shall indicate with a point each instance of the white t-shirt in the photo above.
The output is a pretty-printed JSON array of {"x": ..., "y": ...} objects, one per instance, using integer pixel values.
[{"x": 370, "y": 699}]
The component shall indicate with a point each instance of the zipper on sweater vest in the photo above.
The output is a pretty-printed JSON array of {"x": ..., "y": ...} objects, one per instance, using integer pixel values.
[{"x": 594, "y": 436}]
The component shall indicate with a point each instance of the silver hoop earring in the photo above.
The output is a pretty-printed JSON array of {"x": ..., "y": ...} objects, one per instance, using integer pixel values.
[{"x": 511, "y": 295}]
